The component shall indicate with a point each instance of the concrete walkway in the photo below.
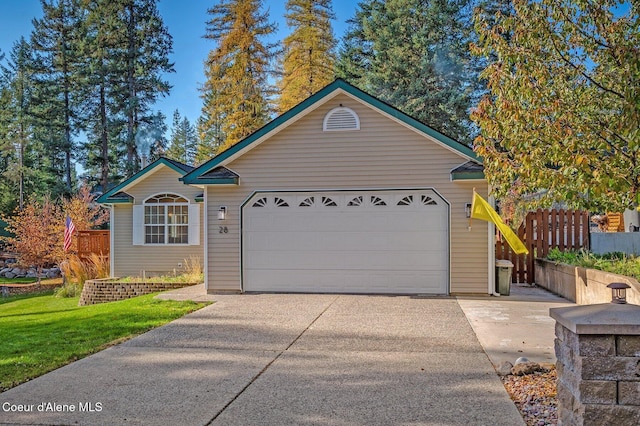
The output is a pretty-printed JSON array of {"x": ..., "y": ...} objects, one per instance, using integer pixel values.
[
  {"x": 514, "y": 326},
  {"x": 275, "y": 359}
]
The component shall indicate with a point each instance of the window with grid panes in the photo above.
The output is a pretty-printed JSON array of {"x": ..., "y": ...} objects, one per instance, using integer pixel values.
[{"x": 166, "y": 220}]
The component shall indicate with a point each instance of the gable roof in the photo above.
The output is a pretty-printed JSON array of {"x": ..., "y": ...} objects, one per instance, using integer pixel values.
[
  {"x": 197, "y": 176},
  {"x": 117, "y": 194},
  {"x": 471, "y": 170}
]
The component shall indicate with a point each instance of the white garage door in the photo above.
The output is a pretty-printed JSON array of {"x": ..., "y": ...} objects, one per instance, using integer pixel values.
[{"x": 346, "y": 242}]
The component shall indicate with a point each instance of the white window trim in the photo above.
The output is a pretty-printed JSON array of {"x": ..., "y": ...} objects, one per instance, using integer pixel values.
[{"x": 193, "y": 222}]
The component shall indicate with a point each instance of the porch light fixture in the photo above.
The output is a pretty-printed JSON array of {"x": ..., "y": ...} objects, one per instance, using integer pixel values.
[
  {"x": 619, "y": 292},
  {"x": 222, "y": 213},
  {"x": 467, "y": 210}
]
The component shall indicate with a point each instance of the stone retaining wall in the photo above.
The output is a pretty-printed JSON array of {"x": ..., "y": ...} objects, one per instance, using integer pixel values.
[
  {"x": 108, "y": 290},
  {"x": 581, "y": 285},
  {"x": 598, "y": 353}
]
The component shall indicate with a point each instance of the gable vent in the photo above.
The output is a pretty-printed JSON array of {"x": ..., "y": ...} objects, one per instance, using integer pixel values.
[{"x": 341, "y": 119}]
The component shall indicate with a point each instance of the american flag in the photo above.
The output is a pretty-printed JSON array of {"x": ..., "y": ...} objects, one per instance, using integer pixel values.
[{"x": 69, "y": 229}]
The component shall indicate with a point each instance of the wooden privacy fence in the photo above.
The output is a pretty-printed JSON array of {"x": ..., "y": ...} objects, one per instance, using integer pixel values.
[
  {"x": 541, "y": 231},
  {"x": 93, "y": 242}
]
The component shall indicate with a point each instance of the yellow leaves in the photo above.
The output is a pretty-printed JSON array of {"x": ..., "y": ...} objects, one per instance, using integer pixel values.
[{"x": 581, "y": 159}]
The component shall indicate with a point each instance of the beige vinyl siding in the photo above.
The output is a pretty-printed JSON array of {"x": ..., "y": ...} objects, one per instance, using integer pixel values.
[
  {"x": 132, "y": 260},
  {"x": 384, "y": 154}
]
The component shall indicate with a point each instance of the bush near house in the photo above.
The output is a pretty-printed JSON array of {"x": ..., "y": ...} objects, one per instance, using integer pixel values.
[{"x": 616, "y": 263}]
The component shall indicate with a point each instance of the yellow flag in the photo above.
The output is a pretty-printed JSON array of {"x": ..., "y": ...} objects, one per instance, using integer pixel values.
[{"x": 480, "y": 209}]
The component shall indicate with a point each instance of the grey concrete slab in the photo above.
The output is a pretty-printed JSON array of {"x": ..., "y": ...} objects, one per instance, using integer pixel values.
[
  {"x": 374, "y": 388},
  {"x": 138, "y": 386},
  {"x": 284, "y": 359},
  {"x": 248, "y": 322},
  {"x": 518, "y": 325},
  {"x": 400, "y": 323}
]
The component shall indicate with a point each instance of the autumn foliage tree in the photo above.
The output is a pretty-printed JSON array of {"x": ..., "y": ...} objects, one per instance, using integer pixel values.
[
  {"x": 34, "y": 230},
  {"x": 38, "y": 229},
  {"x": 237, "y": 88},
  {"x": 562, "y": 117},
  {"x": 309, "y": 51}
]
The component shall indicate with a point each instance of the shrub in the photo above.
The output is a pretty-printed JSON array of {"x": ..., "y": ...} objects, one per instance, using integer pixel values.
[
  {"x": 76, "y": 272},
  {"x": 193, "y": 269},
  {"x": 616, "y": 262},
  {"x": 69, "y": 289}
]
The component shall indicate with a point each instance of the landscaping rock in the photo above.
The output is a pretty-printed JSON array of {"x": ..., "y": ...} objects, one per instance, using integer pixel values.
[
  {"x": 9, "y": 275},
  {"x": 504, "y": 369},
  {"x": 526, "y": 368}
]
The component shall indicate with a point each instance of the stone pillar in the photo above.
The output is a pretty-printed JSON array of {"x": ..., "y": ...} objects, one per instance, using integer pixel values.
[{"x": 598, "y": 353}]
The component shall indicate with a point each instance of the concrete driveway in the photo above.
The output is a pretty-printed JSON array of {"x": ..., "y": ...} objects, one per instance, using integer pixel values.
[{"x": 275, "y": 359}]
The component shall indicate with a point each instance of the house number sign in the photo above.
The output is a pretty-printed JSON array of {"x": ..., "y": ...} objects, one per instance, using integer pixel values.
[{"x": 223, "y": 230}]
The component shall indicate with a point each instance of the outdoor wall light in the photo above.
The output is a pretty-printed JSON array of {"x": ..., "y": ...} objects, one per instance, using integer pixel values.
[
  {"x": 467, "y": 210},
  {"x": 619, "y": 292},
  {"x": 222, "y": 213}
]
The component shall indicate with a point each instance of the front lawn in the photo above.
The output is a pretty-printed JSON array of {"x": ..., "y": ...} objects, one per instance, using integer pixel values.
[{"x": 39, "y": 333}]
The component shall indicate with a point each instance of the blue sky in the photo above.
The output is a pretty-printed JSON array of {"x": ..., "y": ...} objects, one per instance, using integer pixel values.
[{"x": 185, "y": 20}]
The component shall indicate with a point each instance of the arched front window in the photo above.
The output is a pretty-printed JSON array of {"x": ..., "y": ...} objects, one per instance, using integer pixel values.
[{"x": 166, "y": 219}]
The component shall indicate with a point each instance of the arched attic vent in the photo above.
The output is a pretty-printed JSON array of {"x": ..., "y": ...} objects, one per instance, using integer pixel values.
[{"x": 341, "y": 119}]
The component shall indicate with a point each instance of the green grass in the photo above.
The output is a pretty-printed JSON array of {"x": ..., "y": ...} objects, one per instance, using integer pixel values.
[
  {"x": 39, "y": 333},
  {"x": 4, "y": 280},
  {"x": 617, "y": 263}
]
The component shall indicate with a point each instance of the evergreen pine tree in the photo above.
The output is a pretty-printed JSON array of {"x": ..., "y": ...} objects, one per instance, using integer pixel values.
[
  {"x": 183, "y": 141},
  {"x": 16, "y": 127},
  {"x": 415, "y": 55},
  {"x": 54, "y": 42},
  {"x": 309, "y": 51},
  {"x": 125, "y": 52},
  {"x": 237, "y": 71},
  {"x": 209, "y": 127},
  {"x": 145, "y": 56}
]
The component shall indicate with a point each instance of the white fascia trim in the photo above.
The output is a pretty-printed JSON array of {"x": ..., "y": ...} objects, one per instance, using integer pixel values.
[
  {"x": 205, "y": 252},
  {"x": 112, "y": 256}
]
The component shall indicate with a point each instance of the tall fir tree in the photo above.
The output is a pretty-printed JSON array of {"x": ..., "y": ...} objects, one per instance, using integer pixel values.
[
  {"x": 237, "y": 71},
  {"x": 414, "y": 54},
  {"x": 183, "y": 142},
  {"x": 309, "y": 57},
  {"x": 98, "y": 72},
  {"x": 16, "y": 127},
  {"x": 209, "y": 129},
  {"x": 126, "y": 52},
  {"x": 54, "y": 42},
  {"x": 147, "y": 45}
]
